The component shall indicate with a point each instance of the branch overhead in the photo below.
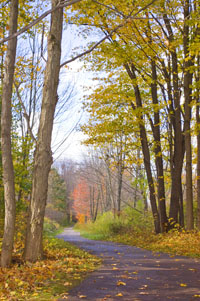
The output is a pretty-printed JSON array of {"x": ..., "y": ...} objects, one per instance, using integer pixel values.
[
  {"x": 127, "y": 19},
  {"x": 61, "y": 4}
]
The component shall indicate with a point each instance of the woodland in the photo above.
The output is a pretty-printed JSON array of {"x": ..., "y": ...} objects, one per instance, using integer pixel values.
[{"x": 142, "y": 127}]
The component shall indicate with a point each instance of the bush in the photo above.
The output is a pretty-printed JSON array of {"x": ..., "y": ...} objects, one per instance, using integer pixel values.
[
  {"x": 107, "y": 225},
  {"x": 116, "y": 226},
  {"x": 50, "y": 227},
  {"x": 139, "y": 220}
]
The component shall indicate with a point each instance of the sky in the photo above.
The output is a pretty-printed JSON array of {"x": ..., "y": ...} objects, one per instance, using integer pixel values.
[
  {"x": 67, "y": 137},
  {"x": 75, "y": 82}
]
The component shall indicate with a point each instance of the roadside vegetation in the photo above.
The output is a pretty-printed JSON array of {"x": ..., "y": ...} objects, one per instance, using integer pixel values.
[
  {"x": 63, "y": 267},
  {"x": 136, "y": 229}
]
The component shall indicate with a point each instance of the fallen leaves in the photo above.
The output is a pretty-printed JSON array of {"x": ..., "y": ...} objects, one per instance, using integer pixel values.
[
  {"x": 174, "y": 242},
  {"x": 63, "y": 265},
  {"x": 67, "y": 283},
  {"x": 119, "y": 295},
  {"x": 183, "y": 284},
  {"x": 121, "y": 283}
]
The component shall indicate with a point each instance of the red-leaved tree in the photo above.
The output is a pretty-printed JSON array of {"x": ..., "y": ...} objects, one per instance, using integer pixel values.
[{"x": 81, "y": 197}]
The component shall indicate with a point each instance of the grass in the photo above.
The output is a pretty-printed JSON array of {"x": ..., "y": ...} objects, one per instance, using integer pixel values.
[
  {"x": 135, "y": 229},
  {"x": 64, "y": 266}
]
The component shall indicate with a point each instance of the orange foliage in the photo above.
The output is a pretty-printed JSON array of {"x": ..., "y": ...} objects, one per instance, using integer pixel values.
[
  {"x": 81, "y": 218},
  {"x": 81, "y": 197}
]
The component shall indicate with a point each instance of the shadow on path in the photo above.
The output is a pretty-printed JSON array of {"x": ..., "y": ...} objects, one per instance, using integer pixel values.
[{"x": 130, "y": 273}]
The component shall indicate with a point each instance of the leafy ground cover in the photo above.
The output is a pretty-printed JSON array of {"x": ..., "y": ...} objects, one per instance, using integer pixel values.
[
  {"x": 136, "y": 230},
  {"x": 63, "y": 267}
]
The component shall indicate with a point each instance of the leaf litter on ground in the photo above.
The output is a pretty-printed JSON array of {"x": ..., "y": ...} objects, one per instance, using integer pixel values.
[{"x": 63, "y": 267}]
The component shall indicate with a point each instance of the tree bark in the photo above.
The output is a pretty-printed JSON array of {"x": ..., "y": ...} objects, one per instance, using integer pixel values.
[
  {"x": 178, "y": 155},
  {"x": 198, "y": 141},
  {"x": 158, "y": 152},
  {"x": 155, "y": 125},
  {"x": 188, "y": 98},
  {"x": 6, "y": 117},
  {"x": 43, "y": 155},
  {"x": 120, "y": 171}
]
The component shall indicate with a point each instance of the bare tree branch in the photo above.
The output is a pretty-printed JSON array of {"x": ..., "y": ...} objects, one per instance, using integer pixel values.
[
  {"x": 61, "y": 5},
  {"x": 109, "y": 7},
  {"x": 65, "y": 139},
  {"x": 88, "y": 50},
  {"x": 26, "y": 116},
  {"x": 42, "y": 44},
  {"x": 4, "y": 4}
]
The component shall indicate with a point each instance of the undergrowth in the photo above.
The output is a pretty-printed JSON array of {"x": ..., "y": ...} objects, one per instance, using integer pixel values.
[{"x": 136, "y": 229}]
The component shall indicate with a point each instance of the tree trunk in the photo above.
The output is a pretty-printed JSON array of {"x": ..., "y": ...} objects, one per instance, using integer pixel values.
[
  {"x": 198, "y": 167},
  {"x": 145, "y": 150},
  {"x": 43, "y": 155},
  {"x": 158, "y": 153},
  {"x": 178, "y": 155},
  {"x": 178, "y": 149},
  {"x": 181, "y": 209},
  {"x": 157, "y": 140},
  {"x": 188, "y": 98},
  {"x": 119, "y": 190},
  {"x": 120, "y": 171},
  {"x": 6, "y": 117},
  {"x": 111, "y": 195},
  {"x": 198, "y": 142}
]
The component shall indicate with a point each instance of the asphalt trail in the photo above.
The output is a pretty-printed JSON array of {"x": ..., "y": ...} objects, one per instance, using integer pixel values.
[{"x": 130, "y": 273}]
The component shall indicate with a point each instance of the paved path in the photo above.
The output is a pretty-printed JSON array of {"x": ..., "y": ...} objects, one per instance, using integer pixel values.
[{"x": 130, "y": 273}]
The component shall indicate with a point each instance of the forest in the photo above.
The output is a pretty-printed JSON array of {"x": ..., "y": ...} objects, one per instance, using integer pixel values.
[{"x": 141, "y": 124}]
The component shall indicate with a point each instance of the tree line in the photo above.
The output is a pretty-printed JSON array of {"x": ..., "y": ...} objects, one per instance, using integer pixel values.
[
  {"x": 148, "y": 97},
  {"x": 83, "y": 191}
]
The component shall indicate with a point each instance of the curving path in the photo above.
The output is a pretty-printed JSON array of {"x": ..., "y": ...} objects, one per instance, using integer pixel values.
[{"x": 130, "y": 273}]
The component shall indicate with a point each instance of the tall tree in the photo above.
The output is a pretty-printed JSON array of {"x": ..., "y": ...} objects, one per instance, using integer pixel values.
[
  {"x": 43, "y": 155},
  {"x": 198, "y": 140},
  {"x": 6, "y": 117},
  {"x": 188, "y": 76},
  {"x": 145, "y": 147}
]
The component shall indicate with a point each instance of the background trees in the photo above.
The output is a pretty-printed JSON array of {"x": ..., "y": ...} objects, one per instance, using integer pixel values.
[{"x": 57, "y": 206}]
